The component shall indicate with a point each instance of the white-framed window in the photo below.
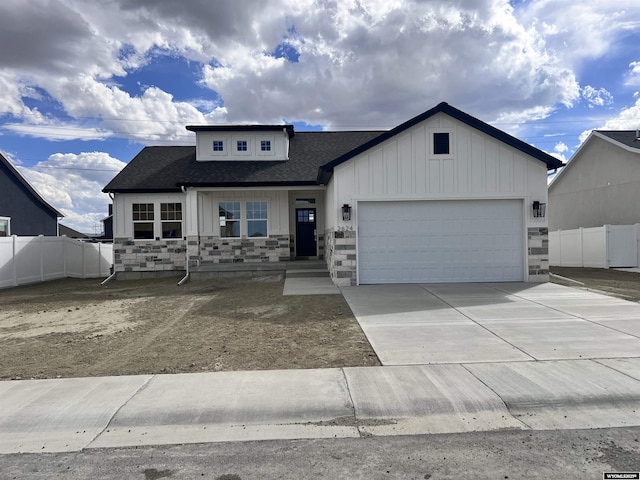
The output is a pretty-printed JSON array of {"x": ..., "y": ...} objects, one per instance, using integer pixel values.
[
  {"x": 257, "y": 213},
  {"x": 171, "y": 220},
  {"x": 5, "y": 226},
  {"x": 143, "y": 220},
  {"x": 241, "y": 146},
  {"x": 218, "y": 145},
  {"x": 230, "y": 217},
  {"x": 265, "y": 145}
]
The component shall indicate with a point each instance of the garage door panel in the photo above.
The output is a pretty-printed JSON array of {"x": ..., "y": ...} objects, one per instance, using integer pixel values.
[{"x": 440, "y": 241}]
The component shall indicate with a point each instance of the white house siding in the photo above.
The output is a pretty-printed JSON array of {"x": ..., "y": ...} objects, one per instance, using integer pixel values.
[
  {"x": 133, "y": 256},
  {"x": 403, "y": 168},
  {"x": 279, "y": 146},
  {"x": 601, "y": 186}
]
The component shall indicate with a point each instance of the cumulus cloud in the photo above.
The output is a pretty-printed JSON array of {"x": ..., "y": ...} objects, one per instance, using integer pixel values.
[
  {"x": 72, "y": 183},
  {"x": 597, "y": 97}
]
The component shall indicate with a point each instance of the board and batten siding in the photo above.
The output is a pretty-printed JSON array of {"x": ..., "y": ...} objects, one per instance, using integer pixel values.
[
  {"x": 277, "y": 201},
  {"x": 404, "y": 168}
]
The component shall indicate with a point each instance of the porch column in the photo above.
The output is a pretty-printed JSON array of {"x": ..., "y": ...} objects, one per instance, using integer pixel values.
[{"x": 191, "y": 227}]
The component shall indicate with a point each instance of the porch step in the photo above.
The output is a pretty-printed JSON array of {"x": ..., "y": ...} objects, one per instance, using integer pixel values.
[{"x": 307, "y": 272}]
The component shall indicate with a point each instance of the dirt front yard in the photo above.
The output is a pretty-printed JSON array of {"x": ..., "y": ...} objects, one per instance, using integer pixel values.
[
  {"x": 625, "y": 285},
  {"x": 74, "y": 328}
]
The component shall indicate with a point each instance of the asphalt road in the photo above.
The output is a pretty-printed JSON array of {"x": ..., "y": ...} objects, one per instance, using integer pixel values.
[{"x": 561, "y": 454}]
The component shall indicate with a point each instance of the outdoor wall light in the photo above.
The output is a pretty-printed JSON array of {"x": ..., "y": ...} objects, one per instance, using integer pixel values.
[
  {"x": 539, "y": 209},
  {"x": 346, "y": 212}
]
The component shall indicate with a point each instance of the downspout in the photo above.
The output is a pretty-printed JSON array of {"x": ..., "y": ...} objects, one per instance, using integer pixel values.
[{"x": 186, "y": 250}]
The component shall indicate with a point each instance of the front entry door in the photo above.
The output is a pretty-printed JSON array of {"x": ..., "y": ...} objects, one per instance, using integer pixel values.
[{"x": 306, "y": 232}]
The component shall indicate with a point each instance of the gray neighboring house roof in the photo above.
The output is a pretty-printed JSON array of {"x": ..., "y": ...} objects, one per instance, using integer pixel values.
[
  {"x": 167, "y": 169},
  {"x": 32, "y": 191},
  {"x": 628, "y": 138}
]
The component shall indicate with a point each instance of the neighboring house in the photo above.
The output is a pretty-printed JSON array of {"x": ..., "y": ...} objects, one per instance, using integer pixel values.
[
  {"x": 22, "y": 210},
  {"x": 70, "y": 232},
  {"x": 107, "y": 225},
  {"x": 600, "y": 184},
  {"x": 444, "y": 197}
]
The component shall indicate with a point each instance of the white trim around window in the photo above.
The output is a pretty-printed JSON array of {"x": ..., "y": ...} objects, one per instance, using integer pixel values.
[
  {"x": 243, "y": 219},
  {"x": 5, "y": 226},
  {"x": 157, "y": 220}
]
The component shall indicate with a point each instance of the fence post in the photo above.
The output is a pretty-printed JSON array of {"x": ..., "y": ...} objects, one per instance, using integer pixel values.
[
  {"x": 13, "y": 260},
  {"x": 41, "y": 243}
]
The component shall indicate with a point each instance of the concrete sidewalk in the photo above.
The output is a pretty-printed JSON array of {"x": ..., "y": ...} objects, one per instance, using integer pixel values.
[{"x": 73, "y": 414}]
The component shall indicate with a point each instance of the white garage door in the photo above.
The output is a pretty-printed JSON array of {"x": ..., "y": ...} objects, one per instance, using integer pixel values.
[{"x": 440, "y": 241}]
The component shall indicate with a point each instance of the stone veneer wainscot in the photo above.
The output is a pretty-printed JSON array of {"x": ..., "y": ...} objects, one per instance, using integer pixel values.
[
  {"x": 213, "y": 250},
  {"x": 148, "y": 256}
]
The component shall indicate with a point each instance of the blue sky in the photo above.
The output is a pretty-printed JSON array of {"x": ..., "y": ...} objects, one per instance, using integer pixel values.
[{"x": 84, "y": 86}]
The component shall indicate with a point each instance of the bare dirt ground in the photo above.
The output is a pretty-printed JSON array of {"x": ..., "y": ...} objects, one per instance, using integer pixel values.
[
  {"x": 75, "y": 328},
  {"x": 625, "y": 285}
]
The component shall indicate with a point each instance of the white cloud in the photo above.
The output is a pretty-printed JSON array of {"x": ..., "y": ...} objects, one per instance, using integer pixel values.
[
  {"x": 560, "y": 147},
  {"x": 73, "y": 183},
  {"x": 597, "y": 97}
]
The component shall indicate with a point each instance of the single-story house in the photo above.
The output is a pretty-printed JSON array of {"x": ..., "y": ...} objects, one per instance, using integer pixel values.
[
  {"x": 600, "y": 184},
  {"x": 443, "y": 197},
  {"x": 23, "y": 211}
]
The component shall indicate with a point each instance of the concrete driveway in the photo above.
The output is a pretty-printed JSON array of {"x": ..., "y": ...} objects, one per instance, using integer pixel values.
[{"x": 493, "y": 322}]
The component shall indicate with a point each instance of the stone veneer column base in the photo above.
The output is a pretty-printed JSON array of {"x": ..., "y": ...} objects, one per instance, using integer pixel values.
[
  {"x": 340, "y": 255},
  {"x": 538, "y": 254}
]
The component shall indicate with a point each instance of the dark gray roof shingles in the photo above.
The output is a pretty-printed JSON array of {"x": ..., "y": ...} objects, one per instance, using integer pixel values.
[
  {"x": 626, "y": 137},
  {"x": 162, "y": 169}
]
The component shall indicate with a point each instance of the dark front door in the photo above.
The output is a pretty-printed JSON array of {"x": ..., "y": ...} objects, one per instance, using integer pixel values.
[{"x": 306, "y": 232}]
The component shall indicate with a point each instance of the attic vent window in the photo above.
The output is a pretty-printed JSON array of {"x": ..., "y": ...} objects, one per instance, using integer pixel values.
[
  {"x": 218, "y": 146},
  {"x": 265, "y": 145},
  {"x": 441, "y": 143}
]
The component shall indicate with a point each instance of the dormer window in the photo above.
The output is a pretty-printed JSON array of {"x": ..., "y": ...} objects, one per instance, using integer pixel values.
[
  {"x": 265, "y": 145},
  {"x": 218, "y": 146},
  {"x": 241, "y": 145}
]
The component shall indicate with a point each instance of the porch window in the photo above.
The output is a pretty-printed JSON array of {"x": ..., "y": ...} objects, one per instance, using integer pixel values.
[
  {"x": 257, "y": 219},
  {"x": 229, "y": 213},
  {"x": 171, "y": 219},
  {"x": 5, "y": 226},
  {"x": 143, "y": 221}
]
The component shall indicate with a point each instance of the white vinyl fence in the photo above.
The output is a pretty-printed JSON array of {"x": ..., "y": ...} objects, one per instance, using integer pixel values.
[
  {"x": 609, "y": 246},
  {"x": 37, "y": 259}
]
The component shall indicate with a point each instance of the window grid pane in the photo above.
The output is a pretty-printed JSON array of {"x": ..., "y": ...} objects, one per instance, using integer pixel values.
[
  {"x": 242, "y": 145},
  {"x": 218, "y": 146},
  {"x": 256, "y": 210},
  {"x": 171, "y": 211},
  {"x": 229, "y": 210},
  {"x": 265, "y": 145},
  {"x": 142, "y": 211}
]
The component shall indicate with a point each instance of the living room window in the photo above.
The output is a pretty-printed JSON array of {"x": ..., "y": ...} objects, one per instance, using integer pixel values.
[
  {"x": 229, "y": 213},
  {"x": 5, "y": 226},
  {"x": 257, "y": 213},
  {"x": 171, "y": 220},
  {"x": 143, "y": 221}
]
